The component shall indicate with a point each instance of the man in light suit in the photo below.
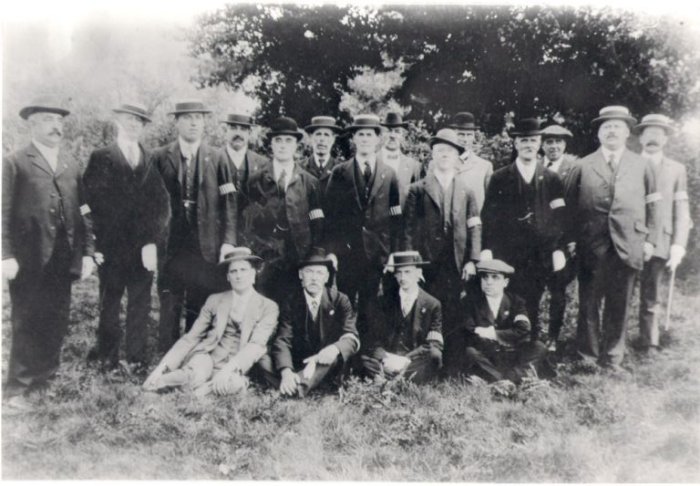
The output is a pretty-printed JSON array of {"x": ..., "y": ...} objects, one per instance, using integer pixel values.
[
  {"x": 203, "y": 226},
  {"x": 47, "y": 242},
  {"x": 408, "y": 169},
  {"x": 478, "y": 171},
  {"x": 673, "y": 224},
  {"x": 316, "y": 335},
  {"x": 229, "y": 336},
  {"x": 613, "y": 196},
  {"x": 322, "y": 131}
]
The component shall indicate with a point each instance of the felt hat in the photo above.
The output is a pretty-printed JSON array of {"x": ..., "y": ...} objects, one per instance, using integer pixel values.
[
  {"x": 322, "y": 122},
  {"x": 365, "y": 121},
  {"x": 556, "y": 131},
  {"x": 284, "y": 126},
  {"x": 448, "y": 136},
  {"x": 405, "y": 259},
  {"x": 615, "y": 112},
  {"x": 655, "y": 120},
  {"x": 527, "y": 127},
  {"x": 494, "y": 266},
  {"x": 239, "y": 254},
  {"x": 135, "y": 109},
  {"x": 393, "y": 120},
  {"x": 238, "y": 119},
  {"x": 463, "y": 121},
  {"x": 43, "y": 104},
  {"x": 189, "y": 106}
]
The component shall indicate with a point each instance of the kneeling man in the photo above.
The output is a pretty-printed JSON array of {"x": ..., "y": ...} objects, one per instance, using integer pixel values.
[
  {"x": 228, "y": 337},
  {"x": 497, "y": 328},
  {"x": 317, "y": 333},
  {"x": 406, "y": 332}
]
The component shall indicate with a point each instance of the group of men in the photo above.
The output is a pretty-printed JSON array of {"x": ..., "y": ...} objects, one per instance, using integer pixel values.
[{"x": 299, "y": 271}]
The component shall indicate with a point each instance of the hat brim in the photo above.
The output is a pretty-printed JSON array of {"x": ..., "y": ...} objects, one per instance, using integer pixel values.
[
  {"x": 556, "y": 135},
  {"x": 131, "y": 112},
  {"x": 395, "y": 125},
  {"x": 27, "y": 111},
  {"x": 311, "y": 128},
  {"x": 500, "y": 272},
  {"x": 436, "y": 140},
  {"x": 407, "y": 264},
  {"x": 252, "y": 259},
  {"x": 354, "y": 128},
  {"x": 463, "y": 127},
  {"x": 310, "y": 263},
  {"x": 183, "y": 112},
  {"x": 529, "y": 133},
  {"x": 630, "y": 120},
  {"x": 243, "y": 124},
  {"x": 639, "y": 128},
  {"x": 298, "y": 135}
]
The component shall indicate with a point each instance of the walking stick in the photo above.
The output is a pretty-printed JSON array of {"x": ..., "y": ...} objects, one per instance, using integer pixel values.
[{"x": 671, "y": 283}]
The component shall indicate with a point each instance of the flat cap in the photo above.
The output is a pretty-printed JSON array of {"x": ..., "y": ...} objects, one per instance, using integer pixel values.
[
  {"x": 494, "y": 266},
  {"x": 556, "y": 131}
]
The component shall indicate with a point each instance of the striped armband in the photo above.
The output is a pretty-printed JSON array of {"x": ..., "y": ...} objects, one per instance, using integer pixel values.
[
  {"x": 434, "y": 336},
  {"x": 521, "y": 317},
  {"x": 653, "y": 197},
  {"x": 352, "y": 337},
  {"x": 395, "y": 210},
  {"x": 316, "y": 214},
  {"x": 680, "y": 196},
  {"x": 473, "y": 221},
  {"x": 557, "y": 203},
  {"x": 85, "y": 210},
  {"x": 227, "y": 188}
]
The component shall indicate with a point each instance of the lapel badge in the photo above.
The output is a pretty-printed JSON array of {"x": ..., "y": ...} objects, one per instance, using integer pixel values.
[
  {"x": 422, "y": 310},
  {"x": 505, "y": 313},
  {"x": 332, "y": 312}
]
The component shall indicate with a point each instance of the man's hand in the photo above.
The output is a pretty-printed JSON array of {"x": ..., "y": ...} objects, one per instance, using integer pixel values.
[
  {"x": 334, "y": 259},
  {"x": 468, "y": 271},
  {"x": 394, "y": 363},
  {"x": 151, "y": 382},
  {"x": 226, "y": 248},
  {"x": 99, "y": 258},
  {"x": 219, "y": 383},
  {"x": 677, "y": 254},
  {"x": 289, "y": 383},
  {"x": 558, "y": 260},
  {"x": 328, "y": 355},
  {"x": 648, "y": 251},
  {"x": 88, "y": 267},
  {"x": 149, "y": 257},
  {"x": 10, "y": 267},
  {"x": 436, "y": 356},
  {"x": 571, "y": 248},
  {"x": 486, "y": 333}
]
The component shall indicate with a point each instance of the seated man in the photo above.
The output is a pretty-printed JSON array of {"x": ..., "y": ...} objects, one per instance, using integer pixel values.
[
  {"x": 228, "y": 337},
  {"x": 496, "y": 328},
  {"x": 406, "y": 330},
  {"x": 316, "y": 334}
]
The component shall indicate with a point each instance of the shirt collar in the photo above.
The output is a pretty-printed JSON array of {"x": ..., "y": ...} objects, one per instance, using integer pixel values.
[
  {"x": 242, "y": 299},
  {"x": 554, "y": 165},
  {"x": 321, "y": 162},
  {"x": 125, "y": 143},
  {"x": 310, "y": 299},
  {"x": 527, "y": 172},
  {"x": 654, "y": 158},
  {"x": 617, "y": 153},
  {"x": 49, "y": 153},
  {"x": 444, "y": 179},
  {"x": 189, "y": 150},
  {"x": 278, "y": 166},
  {"x": 389, "y": 155},
  {"x": 494, "y": 304},
  {"x": 372, "y": 159},
  {"x": 465, "y": 155},
  {"x": 408, "y": 297},
  {"x": 237, "y": 156}
]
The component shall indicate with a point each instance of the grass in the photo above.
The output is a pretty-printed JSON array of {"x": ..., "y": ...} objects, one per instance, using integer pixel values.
[{"x": 644, "y": 427}]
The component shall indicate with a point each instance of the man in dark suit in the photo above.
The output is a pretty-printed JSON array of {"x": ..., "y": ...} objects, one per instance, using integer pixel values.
[
  {"x": 554, "y": 140},
  {"x": 47, "y": 242},
  {"x": 614, "y": 196},
  {"x": 130, "y": 211},
  {"x": 203, "y": 224},
  {"x": 316, "y": 334},
  {"x": 283, "y": 218},
  {"x": 408, "y": 169},
  {"x": 322, "y": 131},
  {"x": 496, "y": 329},
  {"x": 523, "y": 219},
  {"x": 405, "y": 335},
  {"x": 443, "y": 224},
  {"x": 363, "y": 217}
]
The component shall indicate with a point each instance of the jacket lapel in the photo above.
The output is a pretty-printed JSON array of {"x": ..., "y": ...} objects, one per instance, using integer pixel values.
[
  {"x": 600, "y": 165},
  {"x": 418, "y": 312},
  {"x": 381, "y": 174},
  {"x": 38, "y": 159},
  {"x": 485, "y": 310},
  {"x": 432, "y": 187},
  {"x": 355, "y": 182},
  {"x": 250, "y": 317},
  {"x": 175, "y": 160},
  {"x": 222, "y": 312},
  {"x": 503, "y": 310}
]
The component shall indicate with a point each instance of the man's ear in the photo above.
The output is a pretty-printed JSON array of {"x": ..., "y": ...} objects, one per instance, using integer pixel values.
[
  {"x": 505, "y": 282},
  {"x": 300, "y": 274}
]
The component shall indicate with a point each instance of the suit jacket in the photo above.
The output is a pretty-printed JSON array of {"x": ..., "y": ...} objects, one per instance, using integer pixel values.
[
  {"x": 478, "y": 173},
  {"x": 302, "y": 203},
  {"x": 408, "y": 173},
  {"x": 614, "y": 209},
  {"x": 252, "y": 163},
  {"x": 130, "y": 207},
  {"x": 310, "y": 166},
  {"x": 299, "y": 337},
  {"x": 387, "y": 324},
  {"x": 33, "y": 199},
  {"x": 352, "y": 226},
  {"x": 424, "y": 220},
  {"x": 564, "y": 168},
  {"x": 507, "y": 227},
  {"x": 512, "y": 324},
  {"x": 674, "y": 212},
  {"x": 216, "y": 199},
  {"x": 257, "y": 327}
]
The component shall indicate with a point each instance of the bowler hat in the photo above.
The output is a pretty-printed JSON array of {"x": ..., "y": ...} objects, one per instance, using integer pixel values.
[
  {"x": 405, "y": 259},
  {"x": 284, "y": 126},
  {"x": 133, "y": 109},
  {"x": 393, "y": 120},
  {"x": 43, "y": 104},
  {"x": 239, "y": 254},
  {"x": 527, "y": 127},
  {"x": 365, "y": 121},
  {"x": 556, "y": 131},
  {"x": 494, "y": 266},
  {"x": 237, "y": 119},
  {"x": 322, "y": 122},
  {"x": 448, "y": 136},
  {"x": 190, "y": 106},
  {"x": 463, "y": 121},
  {"x": 317, "y": 256},
  {"x": 615, "y": 112},
  {"x": 655, "y": 120}
]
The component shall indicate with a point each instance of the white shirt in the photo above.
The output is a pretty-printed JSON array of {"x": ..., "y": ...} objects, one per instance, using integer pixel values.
[
  {"x": 444, "y": 179},
  {"x": 555, "y": 165},
  {"x": 654, "y": 158},
  {"x": 408, "y": 298},
  {"x": 617, "y": 154},
  {"x": 392, "y": 159},
  {"x": 465, "y": 155},
  {"x": 372, "y": 163},
  {"x": 310, "y": 301},
  {"x": 240, "y": 304},
  {"x": 49, "y": 153},
  {"x": 494, "y": 304},
  {"x": 237, "y": 156},
  {"x": 278, "y": 167},
  {"x": 321, "y": 163},
  {"x": 526, "y": 171},
  {"x": 130, "y": 149},
  {"x": 189, "y": 150}
]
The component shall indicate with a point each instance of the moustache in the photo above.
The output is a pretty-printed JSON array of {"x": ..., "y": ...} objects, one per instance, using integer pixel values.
[
  {"x": 651, "y": 143},
  {"x": 56, "y": 132}
]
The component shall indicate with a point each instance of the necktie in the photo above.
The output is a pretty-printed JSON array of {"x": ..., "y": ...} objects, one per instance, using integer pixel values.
[
  {"x": 612, "y": 163},
  {"x": 185, "y": 166},
  {"x": 282, "y": 182},
  {"x": 314, "y": 308},
  {"x": 133, "y": 156},
  {"x": 367, "y": 173},
  {"x": 405, "y": 308}
]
